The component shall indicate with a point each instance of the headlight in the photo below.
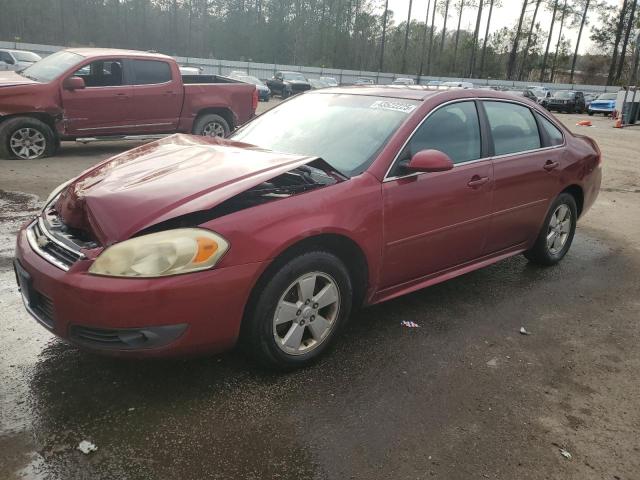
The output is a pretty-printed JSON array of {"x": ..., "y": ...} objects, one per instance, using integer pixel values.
[{"x": 172, "y": 252}]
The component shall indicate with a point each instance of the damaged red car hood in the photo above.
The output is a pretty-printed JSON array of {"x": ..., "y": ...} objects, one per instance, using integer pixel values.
[
  {"x": 11, "y": 78},
  {"x": 158, "y": 181}
]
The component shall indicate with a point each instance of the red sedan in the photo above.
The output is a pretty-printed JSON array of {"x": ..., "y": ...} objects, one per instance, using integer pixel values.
[{"x": 334, "y": 199}]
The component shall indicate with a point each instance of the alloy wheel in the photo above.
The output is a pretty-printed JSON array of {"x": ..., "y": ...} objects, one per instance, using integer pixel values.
[
  {"x": 306, "y": 313},
  {"x": 559, "y": 229},
  {"x": 27, "y": 143},
  {"x": 213, "y": 129}
]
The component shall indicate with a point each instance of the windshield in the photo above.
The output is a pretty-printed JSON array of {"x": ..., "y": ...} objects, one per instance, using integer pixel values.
[
  {"x": 26, "y": 56},
  {"x": 52, "y": 66},
  {"x": 294, "y": 76},
  {"x": 608, "y": 96},
  {"x": 563, "y": 95},
  {"x": 347, "y": 131}
]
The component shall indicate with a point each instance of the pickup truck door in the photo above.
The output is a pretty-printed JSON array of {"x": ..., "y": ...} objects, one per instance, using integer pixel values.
[
  {"x": 101, "y": 108},
  {"x": 157, "y": 96}
]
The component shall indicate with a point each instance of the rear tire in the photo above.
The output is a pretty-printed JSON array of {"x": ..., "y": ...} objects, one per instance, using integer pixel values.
[
  {"x": 26, "y": 138},
  {"x": 591, "y": 114},
  {"x": 298, "y": 311},
  {"x": 211, "y": 125},
  {"x": 556, "y": 235}
]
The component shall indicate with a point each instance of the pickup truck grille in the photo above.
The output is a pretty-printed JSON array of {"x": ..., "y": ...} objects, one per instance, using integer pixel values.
[{"x": 52, "y": 240}]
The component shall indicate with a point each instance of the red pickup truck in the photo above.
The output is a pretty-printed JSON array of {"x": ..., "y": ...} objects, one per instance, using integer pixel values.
[{"x": 91, "y": 92}]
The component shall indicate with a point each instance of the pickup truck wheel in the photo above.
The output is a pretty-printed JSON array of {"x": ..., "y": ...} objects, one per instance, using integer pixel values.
[
  {"x": 26, "y": 138},
  {"x": 211, "y": 125}
]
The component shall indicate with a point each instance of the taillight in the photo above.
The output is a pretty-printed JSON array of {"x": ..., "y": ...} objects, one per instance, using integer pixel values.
[{"x": 254, "y": 104}]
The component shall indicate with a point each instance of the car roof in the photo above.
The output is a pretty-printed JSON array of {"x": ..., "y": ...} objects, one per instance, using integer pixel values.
[{"x": 115, "y": 52}]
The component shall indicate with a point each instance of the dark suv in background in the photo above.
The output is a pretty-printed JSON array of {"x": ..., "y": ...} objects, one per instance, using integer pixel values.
[{"x": 567, "y": 101}]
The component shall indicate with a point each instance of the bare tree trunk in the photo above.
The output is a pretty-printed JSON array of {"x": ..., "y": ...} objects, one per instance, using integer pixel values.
[
  {"x": 614, "y": 55},
  {"x": 575, "y": 55},
  {"x": 444, "y": 27},
  {"x": 384, "y": 34},
  {"x": 474, "y": 46},
  {"x": 636, "y": 63},
  {"x": 433, "y": 21},
  {"x": 546, "y": 52},
  {"x": 623, "y": 54},
  {"x": 511, "y": 65},
  {"x": 555, "y": 54},
  {"x": 526, "y": 50},
  {"x": 406, "y": 39},
  {"x": 455, "y": 48},
  {"x": 424, "y": 40},
  {"x": 486, "y": 37}
]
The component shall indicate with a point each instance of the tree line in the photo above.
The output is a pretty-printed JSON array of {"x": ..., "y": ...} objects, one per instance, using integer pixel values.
[{"x": 353, "y": 34}]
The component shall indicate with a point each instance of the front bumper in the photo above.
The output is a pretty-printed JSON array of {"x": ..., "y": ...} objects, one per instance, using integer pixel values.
[
  {"x": 596, "y": 109},
  {"x": 170, "y": 316}
]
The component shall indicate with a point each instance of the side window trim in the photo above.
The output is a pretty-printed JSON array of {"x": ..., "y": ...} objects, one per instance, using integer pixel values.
[{"x": 483, "y": 136}]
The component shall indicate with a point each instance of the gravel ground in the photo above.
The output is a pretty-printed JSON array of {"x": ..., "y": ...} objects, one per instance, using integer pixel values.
[{"x": 463, "y": 396}]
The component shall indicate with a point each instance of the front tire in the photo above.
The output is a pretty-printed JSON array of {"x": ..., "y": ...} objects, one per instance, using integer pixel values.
[
  {"x": 298, "y": 312},
  {"x": 556, "y": 235},
  {"x": 26, "y": 138},
  {"x": 211, "y": 125}
]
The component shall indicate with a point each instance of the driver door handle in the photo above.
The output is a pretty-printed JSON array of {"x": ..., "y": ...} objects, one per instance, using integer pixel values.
[
  {"x": 550, "y": 165},
  {"x": 477, "y": 181}
]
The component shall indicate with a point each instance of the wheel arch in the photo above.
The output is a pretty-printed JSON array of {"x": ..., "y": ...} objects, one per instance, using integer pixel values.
[
  {"x": 343, "y": 247},
  {"x": 577, "y": 193},
  {"x": 224, "y": 112},
  {"x": 42, "y": 116}
]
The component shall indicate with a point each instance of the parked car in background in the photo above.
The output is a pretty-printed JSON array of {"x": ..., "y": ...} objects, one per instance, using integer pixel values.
[
  {"x": 604, "y": 104},
  {"x": 317, "y": 83},
  {"x": 457, "y": 84},
  {"x": 542, "y": 95},
  {"x": 264, "y": 94},
  {"x": 569, "y": 101},
  {"x": 187, "y": 244},
  {"x": 434, "y": 83},
  {"x": 93, "y": 92},
  {"x": 523, "y": 93},
  {"x": 588, "y": 98},
  {"x": 286, "y": 84},
  {"x": 364, "y": 81},
  {"x": 331, "y": 81},
  {"x": 17, "y": 59},
  {"x": 404, "y": 81}
]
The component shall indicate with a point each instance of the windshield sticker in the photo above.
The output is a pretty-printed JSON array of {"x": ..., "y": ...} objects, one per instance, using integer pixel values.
[{"x": 395, "y": 106}]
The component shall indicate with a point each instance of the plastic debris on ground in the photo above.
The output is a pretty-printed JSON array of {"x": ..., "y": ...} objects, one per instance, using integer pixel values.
[
  {"x": 584, "y": 123},
  {"x": 492, "y": 363},
  {"x": 408, "y": 324},
  {"x": 87, "y": 447},
  {"x": 524, "y": 331},
  {"x": 565, "y": 454}
]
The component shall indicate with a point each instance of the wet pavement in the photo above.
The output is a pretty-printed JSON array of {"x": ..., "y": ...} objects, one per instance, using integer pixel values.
[{"x": 463, "y": 396}]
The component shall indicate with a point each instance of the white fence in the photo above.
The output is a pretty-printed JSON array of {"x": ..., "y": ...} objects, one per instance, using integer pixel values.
[{"x": 266, "y": 70}]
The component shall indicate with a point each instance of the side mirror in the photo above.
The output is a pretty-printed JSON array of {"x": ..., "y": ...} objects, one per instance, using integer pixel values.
[
  {"x": 73, "y": 83},
  {"x": 430, "y": 161}
]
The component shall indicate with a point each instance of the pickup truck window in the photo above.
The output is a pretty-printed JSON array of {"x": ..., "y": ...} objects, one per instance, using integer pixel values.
[
  {"x": 101, "y": 73},
  {"x": 51, "y": 67},
  {"x": 148, "y": 72}
]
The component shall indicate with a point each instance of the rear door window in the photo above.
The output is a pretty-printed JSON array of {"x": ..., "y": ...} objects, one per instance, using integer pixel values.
[
  {"x": 554, "y": 134},
  {"x": 453, "y": 129},
  {"x": 513, "y": 127},
  {"x": 148, "y": 72}
]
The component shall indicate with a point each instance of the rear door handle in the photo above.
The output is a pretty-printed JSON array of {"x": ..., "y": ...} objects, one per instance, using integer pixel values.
[
  {"x": 550, "y": 165},
  {"x": 122, "y": 96},
  {"x": 477, "y": 181}
]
